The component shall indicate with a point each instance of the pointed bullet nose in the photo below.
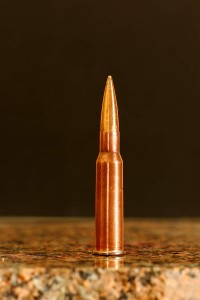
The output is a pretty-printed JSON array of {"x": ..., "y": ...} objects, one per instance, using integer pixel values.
[
  {"x": 109, "y": 85},
  {"x": 109, "y": 113},
  {"x": 109, "y": 78}
]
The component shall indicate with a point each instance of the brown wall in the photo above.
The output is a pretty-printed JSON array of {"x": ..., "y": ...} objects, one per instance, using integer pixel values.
[{"x": 54, "y": 59}]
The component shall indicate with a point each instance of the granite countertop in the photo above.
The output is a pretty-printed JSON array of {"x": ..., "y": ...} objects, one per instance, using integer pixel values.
[{"x": 49, "y": 258}]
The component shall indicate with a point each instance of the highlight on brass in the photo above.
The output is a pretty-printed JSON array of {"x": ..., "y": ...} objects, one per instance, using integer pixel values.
[{"x": 109, "y": 216}]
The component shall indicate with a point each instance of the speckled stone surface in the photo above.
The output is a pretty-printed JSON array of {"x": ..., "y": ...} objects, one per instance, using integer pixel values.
[{"x": 47, "y": 258}]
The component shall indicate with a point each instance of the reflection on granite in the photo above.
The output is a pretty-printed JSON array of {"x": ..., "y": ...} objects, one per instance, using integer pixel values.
[{"x": 52, "y": 259}]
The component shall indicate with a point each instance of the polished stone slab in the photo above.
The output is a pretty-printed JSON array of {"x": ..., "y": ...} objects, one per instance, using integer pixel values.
[{"x": 51, "y": 258}]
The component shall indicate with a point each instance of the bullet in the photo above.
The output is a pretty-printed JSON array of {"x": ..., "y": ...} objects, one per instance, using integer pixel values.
[{"x": 109, "y": 216}]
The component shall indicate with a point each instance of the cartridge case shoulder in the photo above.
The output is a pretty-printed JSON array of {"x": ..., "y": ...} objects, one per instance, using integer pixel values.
[{"x": 109, "y": 157}]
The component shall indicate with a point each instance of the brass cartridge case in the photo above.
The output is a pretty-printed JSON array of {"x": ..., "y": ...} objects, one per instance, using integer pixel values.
[{"x": 109, "y": 216}]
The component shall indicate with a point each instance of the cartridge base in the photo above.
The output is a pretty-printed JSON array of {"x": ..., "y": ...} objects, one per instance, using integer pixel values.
[{"x": 108, "y": 253}]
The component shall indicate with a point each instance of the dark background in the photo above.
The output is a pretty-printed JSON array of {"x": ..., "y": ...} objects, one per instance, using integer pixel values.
[{"x": 54, "y": 60}]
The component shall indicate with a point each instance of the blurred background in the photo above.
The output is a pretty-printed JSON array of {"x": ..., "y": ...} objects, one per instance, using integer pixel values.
[{"x": 54, "y": 60}]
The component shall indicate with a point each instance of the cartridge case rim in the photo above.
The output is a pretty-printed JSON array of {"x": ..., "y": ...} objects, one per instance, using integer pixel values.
[{"x": 109, "y": 253}]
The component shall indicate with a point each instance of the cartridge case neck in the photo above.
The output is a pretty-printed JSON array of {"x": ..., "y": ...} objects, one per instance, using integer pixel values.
[{"x": 109, "y": 141}]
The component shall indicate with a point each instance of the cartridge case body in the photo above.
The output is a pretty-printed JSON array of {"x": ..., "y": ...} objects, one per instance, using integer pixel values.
[{"x": 109, "y": 203}]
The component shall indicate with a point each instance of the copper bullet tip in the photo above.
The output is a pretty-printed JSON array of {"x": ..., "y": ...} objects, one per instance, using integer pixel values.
[
  {"x": 109, "y": 179},
  {"x": 109, "y": 113}
]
